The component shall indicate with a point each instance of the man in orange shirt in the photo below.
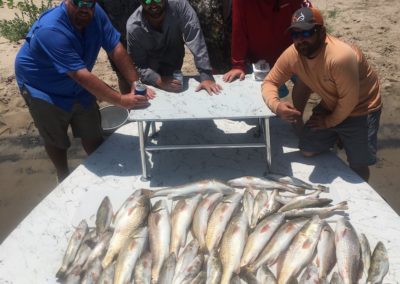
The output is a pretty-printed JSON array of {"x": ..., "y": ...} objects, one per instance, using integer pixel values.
[{"x": 339, "y": 73}]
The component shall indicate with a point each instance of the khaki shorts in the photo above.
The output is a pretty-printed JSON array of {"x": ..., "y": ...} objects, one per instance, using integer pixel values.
[{"x": 53, "y": 122}]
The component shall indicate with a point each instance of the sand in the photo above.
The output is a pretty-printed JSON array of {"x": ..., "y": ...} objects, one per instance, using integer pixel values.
[{"x": 27, "y": 176}]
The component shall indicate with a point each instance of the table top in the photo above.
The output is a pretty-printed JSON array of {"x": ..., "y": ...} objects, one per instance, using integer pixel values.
[
  {"x": 239, "y": 99},
  {"x": 33, "y": 252}
]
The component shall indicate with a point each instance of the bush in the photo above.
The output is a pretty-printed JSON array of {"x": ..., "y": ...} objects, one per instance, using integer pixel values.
[{"x": 17, "y": 28}]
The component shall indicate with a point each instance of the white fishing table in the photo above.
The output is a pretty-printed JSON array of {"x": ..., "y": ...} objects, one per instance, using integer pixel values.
[
  {"x": 33, "y": 252},
  {"x": 239, "y": 100}
]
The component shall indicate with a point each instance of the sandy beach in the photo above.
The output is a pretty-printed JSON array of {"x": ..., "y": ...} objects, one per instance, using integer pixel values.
[{"x": 27, "y": 175}]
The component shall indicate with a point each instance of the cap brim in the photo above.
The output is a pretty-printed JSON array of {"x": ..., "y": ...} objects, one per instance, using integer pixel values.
[{"x": 302, "y": 26}]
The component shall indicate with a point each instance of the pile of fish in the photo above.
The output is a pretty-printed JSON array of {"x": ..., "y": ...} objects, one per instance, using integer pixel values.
[{"x": 245, "y": 230}]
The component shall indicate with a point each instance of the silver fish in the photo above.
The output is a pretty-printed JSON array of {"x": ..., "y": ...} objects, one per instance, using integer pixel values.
[
  {"x": 365, "y": 253},
  {"x": 248, "y": 203},
  {"x": 260, "y": 202},
  {"x": 310, "y": 275},
  {"x": 129, "y": 254},
  {"x": 135, "y": 211},
  {"x": 379, "y": 264},
  {"x": 264, "y": 275},
  {"x": 104, "y": 216},
  {"x": 100, "y": 248},
  {"x": 263, "y": 183},
  {"x": 248, "y": 277},
  {"x": 290, "y": 180},
  {"x": 73, "y": 246},
  {"x": 188, "y": 190},
  {"x": 336, "y": 279},
  {"x": 107, "y": 275},
  {"x": 326, "y": 252},
  {"x": 305, "y": 202},
  {"x": 232, "y": 246},
  {"x": 127, "y": 203},
  {"x": 167, "y": 270},
  {"x": 300, "y": 251},
  {"x": 214, "y": 268},
  {"x": 260, "y": 237},
  {"x": 348, "y": 250},
  {"x": 279, "y": 243},
  {"x": 92, "y": 275},
  {"x": 201, "y": 216},
  {"x": 80, "y": 259},
  {"x": 292, "y": 198},
  {"x": 159, "y": 236},
  {"x": 200, "y": 278},
  {"x": 320, "y": 211},
  {"x": 185, "y": 259},
  {"x": 182, "y": 216},
  {"x": 191, "y": 270},
  {"x": 142, "y": 271}
]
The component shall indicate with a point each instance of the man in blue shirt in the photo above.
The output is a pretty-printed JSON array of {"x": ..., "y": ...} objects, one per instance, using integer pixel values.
[{"x": 53, "y": 72}]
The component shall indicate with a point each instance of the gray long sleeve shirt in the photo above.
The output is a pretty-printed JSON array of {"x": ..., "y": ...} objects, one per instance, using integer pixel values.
[{"x": 160, "y": 53}]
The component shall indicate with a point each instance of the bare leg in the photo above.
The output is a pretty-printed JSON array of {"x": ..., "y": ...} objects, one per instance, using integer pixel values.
[
  {"x": 362, "y": 171},
  {"x": 90, "y": 145},
  {"x": 58, "y": 157}
]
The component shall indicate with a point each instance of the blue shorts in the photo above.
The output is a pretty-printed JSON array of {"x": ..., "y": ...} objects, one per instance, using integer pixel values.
[{"x": 359, "y": 135}]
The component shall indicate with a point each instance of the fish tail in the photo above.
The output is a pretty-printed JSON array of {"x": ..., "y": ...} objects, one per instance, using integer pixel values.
[
  {"x": 148, "y": 193},
  {"x": 342, "y": 205}
]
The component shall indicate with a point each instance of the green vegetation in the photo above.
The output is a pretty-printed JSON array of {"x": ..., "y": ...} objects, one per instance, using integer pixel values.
[{"x": 17, "y": 28}]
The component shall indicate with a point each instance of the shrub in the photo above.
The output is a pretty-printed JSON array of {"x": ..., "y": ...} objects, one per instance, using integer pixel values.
[{"x": 17, "y": 28}]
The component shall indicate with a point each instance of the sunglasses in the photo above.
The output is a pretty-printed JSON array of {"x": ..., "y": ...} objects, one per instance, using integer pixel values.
[
  {"x": 303, "y": 34},
  {"x": 148, "y": 2},
  {"x": 84, "y": 4}
]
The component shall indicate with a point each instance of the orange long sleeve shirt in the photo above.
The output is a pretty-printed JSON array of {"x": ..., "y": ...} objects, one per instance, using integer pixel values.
[{"x": 339, "y": 74}]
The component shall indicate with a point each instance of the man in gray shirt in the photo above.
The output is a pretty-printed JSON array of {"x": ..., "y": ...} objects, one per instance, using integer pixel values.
[{"x": 156, "y": 34}]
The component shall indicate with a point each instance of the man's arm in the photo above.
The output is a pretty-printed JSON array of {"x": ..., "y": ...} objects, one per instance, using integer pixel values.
[
  {"x": 279, "y": 74},
  {"x": 101, "y": 91},
  {"x": 194, "y": 39},
  {"x": 124, "y": 63}
]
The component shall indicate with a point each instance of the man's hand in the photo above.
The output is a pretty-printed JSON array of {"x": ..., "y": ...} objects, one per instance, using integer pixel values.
[
  {"x": 317, "y": 121},
  {"x": 150, "y": 93},
  {"x": 233, "y": 74},
  {"x": 288, "y": 112},
  {"x": 210, "y": 86},
  {"x": 132, "y": 101},
  {"x": 169, "y": 84}
]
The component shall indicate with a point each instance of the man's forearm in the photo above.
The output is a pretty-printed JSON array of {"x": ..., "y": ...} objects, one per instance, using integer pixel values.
[
  {"x": 124, "y": 63},
  {"x": 95, "y": 86}
]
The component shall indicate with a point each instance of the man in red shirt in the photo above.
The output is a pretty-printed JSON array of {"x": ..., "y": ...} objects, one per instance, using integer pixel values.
[{"x": 259, "y": 32}]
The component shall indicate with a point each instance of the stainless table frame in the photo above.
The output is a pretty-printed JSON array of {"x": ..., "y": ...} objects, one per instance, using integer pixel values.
[{"x": 239, "y": 100}]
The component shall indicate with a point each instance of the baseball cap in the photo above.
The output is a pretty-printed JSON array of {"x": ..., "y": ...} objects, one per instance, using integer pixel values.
[{"x": 306, "y": 18}]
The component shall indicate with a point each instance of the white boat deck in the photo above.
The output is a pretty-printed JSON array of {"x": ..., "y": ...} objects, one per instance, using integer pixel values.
[{"x": 33, "y": 252}]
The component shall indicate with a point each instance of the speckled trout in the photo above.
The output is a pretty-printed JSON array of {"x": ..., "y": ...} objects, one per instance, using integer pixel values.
[
  {"x": 220, "y": 218},
  {"x": 348, "y": 252},
  {"x": 202, "y": 215},
  {"x": 300, "y": 251},
  {"x": 129, "y": 255},
  {"x": 190, "y": 189},
  {"x": 263, "y": 183},
  {"x": 182, "y": 216},
  {"x": 73, "y": 246},
  {"x": 379, "y": 264},
  {"x": 159, "y": 236},
  {"x": 279, "y": 243},
  {"x": 232, "y": 246},
  {"x": 134, "y": 213}
]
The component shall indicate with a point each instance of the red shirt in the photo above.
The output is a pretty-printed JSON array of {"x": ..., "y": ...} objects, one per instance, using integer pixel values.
[{"x": 259, "y": 29}]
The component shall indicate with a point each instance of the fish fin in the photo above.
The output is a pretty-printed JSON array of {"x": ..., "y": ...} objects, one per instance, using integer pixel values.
[{"x": 342, "y": 205}]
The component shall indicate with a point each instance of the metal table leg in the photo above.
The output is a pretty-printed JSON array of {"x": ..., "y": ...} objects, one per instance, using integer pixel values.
[
  {"x": 267, "y": 143},
  {"x": 145, "y": 176}
]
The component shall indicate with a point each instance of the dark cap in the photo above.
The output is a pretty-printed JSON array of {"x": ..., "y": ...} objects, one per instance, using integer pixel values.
[{"x": 306, "y": 18}]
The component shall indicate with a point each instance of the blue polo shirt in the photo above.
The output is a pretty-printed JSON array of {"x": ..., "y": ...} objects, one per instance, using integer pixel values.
[{"x": 54, "y": 47}]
